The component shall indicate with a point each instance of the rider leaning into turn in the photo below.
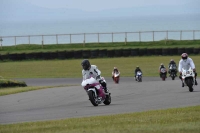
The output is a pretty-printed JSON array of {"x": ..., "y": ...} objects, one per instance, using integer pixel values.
[
  {"x": 137, "y": 69},
  {"x": 161, "y": 66},
  {"x": 172, "y": 62},
  {"x": 92, "y": 71},
  {"x": 186, "y": 62},
  {"x": 115, "y": 70}
]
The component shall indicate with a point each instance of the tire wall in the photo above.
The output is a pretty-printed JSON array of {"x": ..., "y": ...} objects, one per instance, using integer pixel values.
[{"x": 98, "y": 53}]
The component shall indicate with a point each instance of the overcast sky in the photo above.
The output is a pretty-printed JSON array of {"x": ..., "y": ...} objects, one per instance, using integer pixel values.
[
  {"x": 22, "y": 10},
  {"x": 98, "y": 5}
]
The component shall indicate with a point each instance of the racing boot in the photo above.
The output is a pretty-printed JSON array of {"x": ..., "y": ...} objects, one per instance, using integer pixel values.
[
  {"x": 195, "y": 82},
  {"x": 182, "y": 84},
  {"x": 106, "y": 90}
]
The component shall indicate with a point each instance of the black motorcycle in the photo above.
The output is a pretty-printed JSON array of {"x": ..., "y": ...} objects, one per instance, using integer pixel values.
[{"x": 172, "y": 70}]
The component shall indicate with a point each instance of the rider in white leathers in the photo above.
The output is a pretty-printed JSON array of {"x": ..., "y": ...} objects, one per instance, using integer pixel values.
[
  {"x": 186, "y": 62},
  {"x": 92, "y": 71}
]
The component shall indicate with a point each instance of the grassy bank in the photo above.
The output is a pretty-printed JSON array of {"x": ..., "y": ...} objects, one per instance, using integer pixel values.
[
  {"x": 11, "y": 83},
  {"x": 72, "y": 68},
  {"x": 27, "y": 48},
  {"x": 177, "y": 120}
]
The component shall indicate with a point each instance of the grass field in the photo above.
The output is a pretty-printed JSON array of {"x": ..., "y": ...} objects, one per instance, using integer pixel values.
[
  {"x": 177, "y": 120},
  {"x": 72, "y": 68}
]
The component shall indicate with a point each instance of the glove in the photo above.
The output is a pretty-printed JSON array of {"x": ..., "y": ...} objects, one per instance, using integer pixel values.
[
  {"x": 98, "y": 77},
  {"x": 101, "y": 81}
]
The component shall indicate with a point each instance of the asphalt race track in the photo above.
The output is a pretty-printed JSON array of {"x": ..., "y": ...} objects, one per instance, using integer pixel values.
[{"x": 68, "y": 102}]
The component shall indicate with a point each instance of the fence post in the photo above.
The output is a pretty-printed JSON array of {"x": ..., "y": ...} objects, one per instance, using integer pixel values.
[
  {"x": 84, "y": 40},
  {"x": 139, "y": 36},
  {"x": 70, "y": 38},
  {"x": 112, "y": 37},
  {"x": 167, "y": 35},
  {"x": 180, "y": 35},
  {"x": 125, "y": 37},
  {"x": 1, "y": 40},
  {"x": 42, "y": 41},
  {"x": 29, "y": 40},
  {"x": 98, "y": 37},
  {"x": 193, "y": 34},
  {"x": 153, "y": 36},
  {"x": 56, "y": 39},
  {"x": 15, "y": 41}
]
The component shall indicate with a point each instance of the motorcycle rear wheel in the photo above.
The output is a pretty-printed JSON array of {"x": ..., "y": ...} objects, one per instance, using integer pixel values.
[{"x": 93, "y": 99}]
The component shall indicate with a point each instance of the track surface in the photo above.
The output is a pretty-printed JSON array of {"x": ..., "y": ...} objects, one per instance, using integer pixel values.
[{"x": 68, "y": 102}]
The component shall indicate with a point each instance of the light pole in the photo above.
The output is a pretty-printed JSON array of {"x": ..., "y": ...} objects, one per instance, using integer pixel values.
[{"x": 1, "y": 40}]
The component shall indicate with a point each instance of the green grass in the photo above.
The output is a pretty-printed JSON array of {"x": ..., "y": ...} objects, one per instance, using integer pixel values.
[
  {"x": 27, "y": 48},
  {"x": 14, "y": 90},
  {"x": 176, "y": 120},
  {"x": 72, "y": 68}
]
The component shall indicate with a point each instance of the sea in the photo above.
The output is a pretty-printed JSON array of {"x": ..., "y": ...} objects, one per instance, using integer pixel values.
[{"x": 121, "y": 29}]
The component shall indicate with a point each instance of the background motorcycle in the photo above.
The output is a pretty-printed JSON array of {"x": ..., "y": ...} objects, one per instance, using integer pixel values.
[
  {"x": 188, "y": 78},
  {"x": 116, "y": 77},
  {"x": 163, "y": 73},
  {"x": 172, "y": 71},
  {"x": 138, "y": 76},
  {"x": 95, "y": 92}
]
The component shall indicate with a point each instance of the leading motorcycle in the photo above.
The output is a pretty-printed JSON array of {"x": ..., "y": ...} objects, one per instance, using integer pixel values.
[
  {"x": 188, "y": 78},
  {"x": 96, "y": 92}
]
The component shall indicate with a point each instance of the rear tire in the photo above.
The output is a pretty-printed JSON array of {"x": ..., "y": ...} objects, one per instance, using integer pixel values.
[{"x": 93, "y": 99}]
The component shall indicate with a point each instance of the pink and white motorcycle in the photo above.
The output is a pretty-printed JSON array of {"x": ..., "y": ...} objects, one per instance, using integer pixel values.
[{"x": 96, "y": 92}]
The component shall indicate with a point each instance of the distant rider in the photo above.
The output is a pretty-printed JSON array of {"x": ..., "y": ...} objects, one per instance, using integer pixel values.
[
  {"x": 172, "y": 63},
  {"x": 92, "y": 71},
  {"x": 137, "y": 69},
  {"x": 162, "y": 66},
  {"x": 186, "y": 62},
  {"x": 115, "y": 70}
]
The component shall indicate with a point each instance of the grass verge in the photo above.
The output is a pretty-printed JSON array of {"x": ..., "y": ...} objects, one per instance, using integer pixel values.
[
  {"x": 11, "y": 83},
  {"x": 14, "y": 90},
  {"x": 72, "y": 68},
  {"x": 176, "y": 120}
]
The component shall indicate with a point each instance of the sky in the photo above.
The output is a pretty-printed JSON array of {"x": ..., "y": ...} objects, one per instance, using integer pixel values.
[
  {"x": 24, "y": 10},
  {"x": 99, "y": 5}
]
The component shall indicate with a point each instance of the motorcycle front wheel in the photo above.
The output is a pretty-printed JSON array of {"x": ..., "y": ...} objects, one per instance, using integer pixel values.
[{"x": 93, "y": 99}]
